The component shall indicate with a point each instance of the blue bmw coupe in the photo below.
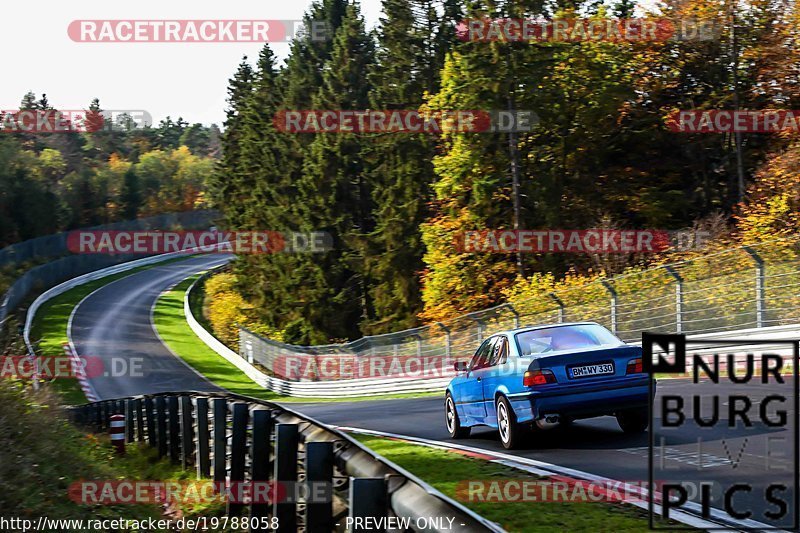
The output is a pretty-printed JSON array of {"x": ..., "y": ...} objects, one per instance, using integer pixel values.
[{"x": 543, "y": 376}]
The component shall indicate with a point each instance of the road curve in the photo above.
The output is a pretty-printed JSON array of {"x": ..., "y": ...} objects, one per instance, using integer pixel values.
[{"x": 114, "y": 323}]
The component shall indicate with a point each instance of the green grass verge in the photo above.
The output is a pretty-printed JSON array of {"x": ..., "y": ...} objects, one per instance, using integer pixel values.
[
  {"x": 444, "y": 470},
  {"x": 49, "y": 327},
  {"x": 171, "y": 324}
]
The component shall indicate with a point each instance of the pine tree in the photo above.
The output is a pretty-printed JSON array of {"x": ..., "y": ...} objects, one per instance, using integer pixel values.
[
  {"x": 413, "y": 40},
  {"x": 197, "y": 138},
  {"x": 304, "y": 67},
  {"x": 169, "y": 132},
  {"x": 230, "y": 187},
  {"x": 29, "y": 101},
  {"x": 130, "y": 195},
  {"x": 263, "y": 279},
  {"x": 333, "y": 192}
]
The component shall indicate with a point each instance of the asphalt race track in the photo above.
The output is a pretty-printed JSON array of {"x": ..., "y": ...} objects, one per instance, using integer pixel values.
[
  {"x": 115, "y": 322},
  {"x": 599, "y": 447}
]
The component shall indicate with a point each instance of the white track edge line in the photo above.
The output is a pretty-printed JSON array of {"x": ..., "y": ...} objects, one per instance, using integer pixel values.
[
  {"x": 163, "y": 342},
  {"x": 524, "y": 463},
  {"x": 72, "y": 316}
]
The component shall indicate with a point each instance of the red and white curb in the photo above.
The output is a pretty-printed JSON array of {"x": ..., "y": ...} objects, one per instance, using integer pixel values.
[
  {"x": 80, "y": 373},
  {"x": 564, "y": 474}
]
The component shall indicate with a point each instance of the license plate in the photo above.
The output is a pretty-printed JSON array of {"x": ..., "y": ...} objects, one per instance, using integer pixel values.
[{"x": 599, "y": 369}]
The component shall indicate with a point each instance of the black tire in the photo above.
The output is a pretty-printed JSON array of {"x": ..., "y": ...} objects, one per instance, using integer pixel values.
[
  {"x": 633, "y": 420},
  {"x": 452, "y": 421},
  {"x": 510, "y": 431}
]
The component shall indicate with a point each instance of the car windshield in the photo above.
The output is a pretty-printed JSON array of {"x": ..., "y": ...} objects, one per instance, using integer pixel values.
[{"x": 563, "y": 338}]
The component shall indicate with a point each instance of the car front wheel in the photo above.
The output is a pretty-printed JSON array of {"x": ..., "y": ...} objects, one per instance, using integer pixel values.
[
  {"x": 507, "y": 424},
  {"x": 633, "y": 420},
  {"x": 454, "y": 427}
]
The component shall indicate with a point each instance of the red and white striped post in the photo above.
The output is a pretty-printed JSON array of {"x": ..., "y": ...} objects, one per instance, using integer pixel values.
[{"x": 117, "y": 432}]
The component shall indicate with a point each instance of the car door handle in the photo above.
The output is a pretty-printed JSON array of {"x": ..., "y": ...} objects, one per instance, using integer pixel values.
[{"x": 478, "y": 378}]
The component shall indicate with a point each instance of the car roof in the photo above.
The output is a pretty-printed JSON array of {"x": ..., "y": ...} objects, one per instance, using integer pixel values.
[{"x": 510, "y": 332}]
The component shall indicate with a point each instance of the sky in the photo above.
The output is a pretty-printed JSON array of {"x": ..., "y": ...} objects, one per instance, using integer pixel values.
[{"x": 176, "y": 79}]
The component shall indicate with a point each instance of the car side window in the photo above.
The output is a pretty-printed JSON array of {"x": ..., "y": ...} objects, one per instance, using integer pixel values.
[
  {"x": 500, "y": 352},
  {"x": 483, "y": 355}
]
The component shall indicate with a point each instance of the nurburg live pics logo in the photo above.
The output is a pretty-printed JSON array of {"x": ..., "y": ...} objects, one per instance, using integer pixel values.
[{"x": 751, "y": 399}]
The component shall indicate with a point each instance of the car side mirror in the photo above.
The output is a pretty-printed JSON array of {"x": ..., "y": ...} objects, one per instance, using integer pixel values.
[{"x": 460, "y": 366}]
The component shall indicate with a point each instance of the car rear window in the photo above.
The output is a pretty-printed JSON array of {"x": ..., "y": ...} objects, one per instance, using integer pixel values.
[{"x": 564, "y": 338}]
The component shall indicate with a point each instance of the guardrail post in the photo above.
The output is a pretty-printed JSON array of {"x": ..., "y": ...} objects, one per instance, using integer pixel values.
[
  {"x": 187, "y": 431},
  {"x": 368, "y": 499},
  {"x": 761, "y": 298},
  {"x": 203, "y": 438},
  {"x": 107, "y": 412},
  {"x": 516, "y": 315},
  {"x": 418, "y": 341},
  {"x": 319, "y": 472},
  {"x": 480, "y": 324},
  {"x": 220, "y": 440},
  {"x": 161, "y": 422},
  {"x": 137, "y": 406},
  {"x": 561, "y": 307},
  {"x": 286, "y": 472},
  {"x": 98, "y": 416},
  {"x": 678, "y": 298},
  {"x": 248, "y": 349},
  {"x": 447, "y": 343},
  {"x": 174, "y": 429},
  {"x": 77, "y": 415},
  {"x": 238, "y": 457},
  {"x": 151, "y": 422},
  {"x": 129, "y": 420},
  {"x": 613, "y": 294},
  {"x": 259, "y": 465}
]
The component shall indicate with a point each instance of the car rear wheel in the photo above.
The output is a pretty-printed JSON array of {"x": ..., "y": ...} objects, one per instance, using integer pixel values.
[
  {"x": 454, "y": 427},
  {"x": 507, "y": 424},
  {"x": 633, "y": 420}
]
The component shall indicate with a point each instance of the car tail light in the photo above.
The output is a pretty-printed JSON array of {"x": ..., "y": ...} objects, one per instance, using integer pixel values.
[
  {"x": 634, "y": 366},
  {"x": 538, "y": 377}
]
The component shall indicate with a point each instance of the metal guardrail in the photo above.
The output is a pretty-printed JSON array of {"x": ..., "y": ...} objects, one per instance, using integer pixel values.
[
  {"x": 55, "y": 245},
  {"x": 71, "y": 265},
  {"x": 349, "y": 388},
  {"x": 754, "y": 286},
  {"x": 233, "y": 438}
]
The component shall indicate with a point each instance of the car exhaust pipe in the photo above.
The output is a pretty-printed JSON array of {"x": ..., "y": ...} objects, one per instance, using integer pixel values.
[{"x": 548, "y": 422}]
